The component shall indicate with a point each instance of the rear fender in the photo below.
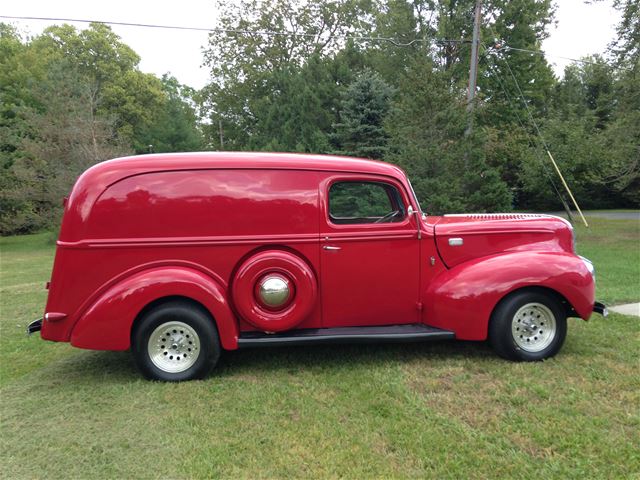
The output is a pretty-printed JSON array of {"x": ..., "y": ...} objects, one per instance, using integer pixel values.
[
  {"x": 462, "y": 299},
  {"x": 106, "y": 324}
]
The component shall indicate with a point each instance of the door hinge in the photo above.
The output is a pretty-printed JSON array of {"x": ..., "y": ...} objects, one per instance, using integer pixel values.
[{"x": 419, "y": 306}]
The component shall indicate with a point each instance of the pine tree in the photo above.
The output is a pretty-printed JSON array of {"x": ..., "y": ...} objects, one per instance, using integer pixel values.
[{"x": 363, "y": 109}]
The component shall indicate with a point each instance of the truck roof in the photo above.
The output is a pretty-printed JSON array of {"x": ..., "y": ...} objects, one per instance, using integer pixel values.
[
  {"x": 245, "y": 160},
  {"x": 93, "y": 182}
]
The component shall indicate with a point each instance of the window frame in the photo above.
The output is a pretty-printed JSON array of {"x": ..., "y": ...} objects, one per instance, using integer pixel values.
[{"x": 402, "y": 200}]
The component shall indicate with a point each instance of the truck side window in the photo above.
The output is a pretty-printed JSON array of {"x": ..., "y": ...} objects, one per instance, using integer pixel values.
[{"x": 353, "y": 202}]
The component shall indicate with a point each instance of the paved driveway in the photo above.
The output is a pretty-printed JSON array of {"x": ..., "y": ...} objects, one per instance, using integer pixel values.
[
  {"x": 602, "y": 214},
  {"x": 627, "y": 309}
]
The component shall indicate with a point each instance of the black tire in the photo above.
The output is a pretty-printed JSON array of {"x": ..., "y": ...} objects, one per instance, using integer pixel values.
[
  {"x": 196, "y": 322},
  {"x": 531, "y": 308}
]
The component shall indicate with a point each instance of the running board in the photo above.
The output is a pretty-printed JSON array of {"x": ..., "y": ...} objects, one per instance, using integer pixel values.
[{"x": 415, "y": 332}]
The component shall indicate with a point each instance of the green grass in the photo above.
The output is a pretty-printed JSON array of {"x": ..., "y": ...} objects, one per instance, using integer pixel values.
[
  {"x": 614, "y": 247},
  {"x": 443, "y": 410}
]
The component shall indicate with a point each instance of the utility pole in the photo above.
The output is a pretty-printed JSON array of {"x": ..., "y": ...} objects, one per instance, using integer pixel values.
[
  {"x": 473, "y": 68},
  {"x": 221, "y": 132}
]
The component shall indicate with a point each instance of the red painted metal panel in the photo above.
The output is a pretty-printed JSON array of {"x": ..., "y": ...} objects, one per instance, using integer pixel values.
[
  {"x": 462, "y": 298},
  {"x": 370, "y": 274},
  {"x": 484, "y": 235},
  {"x": 106, "y": 324}
]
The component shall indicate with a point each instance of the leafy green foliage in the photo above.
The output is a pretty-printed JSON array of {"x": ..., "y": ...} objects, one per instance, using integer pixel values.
[
  {"x": 175, "y": 127},
  {"x": 401, "y": 101},
  {"x": 593, "y": 136},
  {"x": 449, "y": 171},
  {"x": 67, "y": 136},
  {"x": 383, "y": 79},
  {"x": 71, "y": 99},
  {"x": 626, "y": 47}
]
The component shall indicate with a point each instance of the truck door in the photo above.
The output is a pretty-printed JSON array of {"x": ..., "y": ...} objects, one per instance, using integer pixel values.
[{"x": 369, "y": 257}]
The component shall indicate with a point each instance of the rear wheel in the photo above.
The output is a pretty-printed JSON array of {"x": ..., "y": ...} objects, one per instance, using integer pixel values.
[
  {"x": 528, "y": 326},
  {"x": 175, "y": 341}
]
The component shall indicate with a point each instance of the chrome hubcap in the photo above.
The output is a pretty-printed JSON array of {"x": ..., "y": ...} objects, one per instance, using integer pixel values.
[
  {"x": 533, "y": 327},
  {"x": 274, "y": 291},
  {"x": 174, "y": 347}
]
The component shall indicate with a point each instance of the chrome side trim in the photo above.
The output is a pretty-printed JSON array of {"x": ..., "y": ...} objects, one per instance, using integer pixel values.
[
  {"x": 456, "y": 241},
  {"x": 508, "y": 216},
  {"x": 190, "y": 241}
]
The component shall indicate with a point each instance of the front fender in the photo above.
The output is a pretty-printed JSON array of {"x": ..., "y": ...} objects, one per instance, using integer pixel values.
[
  {"x": 106, "y": 323},
  {"x": 462, "y": 299}
]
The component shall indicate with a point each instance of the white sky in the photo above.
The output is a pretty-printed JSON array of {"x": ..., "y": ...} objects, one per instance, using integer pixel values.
[{"x": 581, "y": 29}]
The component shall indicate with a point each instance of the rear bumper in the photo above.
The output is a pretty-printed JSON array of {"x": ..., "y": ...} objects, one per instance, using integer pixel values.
[
  {"x": 600, "y": 308},
  {"x": 34, "y": 326}
]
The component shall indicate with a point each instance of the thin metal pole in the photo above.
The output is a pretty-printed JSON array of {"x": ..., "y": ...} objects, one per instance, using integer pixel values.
[
  {"x": 220, "y": 131},
  {"x": 473, "y": 67},
  {"x": 567, "y": 187},
  {"x": 544, "y": 144}
]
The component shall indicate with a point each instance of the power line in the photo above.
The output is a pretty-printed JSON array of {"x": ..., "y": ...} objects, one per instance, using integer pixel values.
[
  {"x": 266, "y": 33},
  {"x": 394, "y": 41},
  {"x": 544, "y": 143},
  {"x": 530, "y": 138},
  {"x": 544, "y": 54},
  {"x": 524, "y": 102}
]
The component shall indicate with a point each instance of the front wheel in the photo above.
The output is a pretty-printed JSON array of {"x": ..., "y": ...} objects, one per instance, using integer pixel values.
[
  {"x": 528, "y": 326},
  {"x": 175, "y": 341}
]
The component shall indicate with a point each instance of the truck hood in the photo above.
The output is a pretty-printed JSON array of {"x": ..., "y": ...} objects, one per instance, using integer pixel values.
[{"x": 460, "y": 238}]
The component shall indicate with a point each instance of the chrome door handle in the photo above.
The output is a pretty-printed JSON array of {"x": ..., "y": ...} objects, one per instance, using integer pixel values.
[{"x": 329, "y": 247}]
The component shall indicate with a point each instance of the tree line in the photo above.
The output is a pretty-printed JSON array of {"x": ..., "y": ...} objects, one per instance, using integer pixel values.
[{"x": 382, "y": 79}]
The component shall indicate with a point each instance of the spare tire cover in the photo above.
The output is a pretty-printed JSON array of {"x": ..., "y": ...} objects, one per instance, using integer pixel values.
[{"x": 293, "y": 271}]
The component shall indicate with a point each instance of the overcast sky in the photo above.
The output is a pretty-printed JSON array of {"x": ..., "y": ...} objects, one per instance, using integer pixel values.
[{"x": 581, "y": 29}]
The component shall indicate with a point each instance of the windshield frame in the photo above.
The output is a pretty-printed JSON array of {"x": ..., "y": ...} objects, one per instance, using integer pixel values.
[{"x": 415, "y": 198}]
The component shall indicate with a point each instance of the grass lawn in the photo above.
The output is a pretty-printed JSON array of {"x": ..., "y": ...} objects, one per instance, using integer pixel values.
[{"x": 445, "y": 410}]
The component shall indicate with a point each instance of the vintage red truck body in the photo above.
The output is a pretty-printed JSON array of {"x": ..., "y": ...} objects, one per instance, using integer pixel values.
[{"x": 138, "y": 230}]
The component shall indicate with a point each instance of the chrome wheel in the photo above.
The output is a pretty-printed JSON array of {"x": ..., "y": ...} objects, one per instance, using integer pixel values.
[
  {"x": 173, "y": 347},
  {"x": 533, "y": 327}
]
